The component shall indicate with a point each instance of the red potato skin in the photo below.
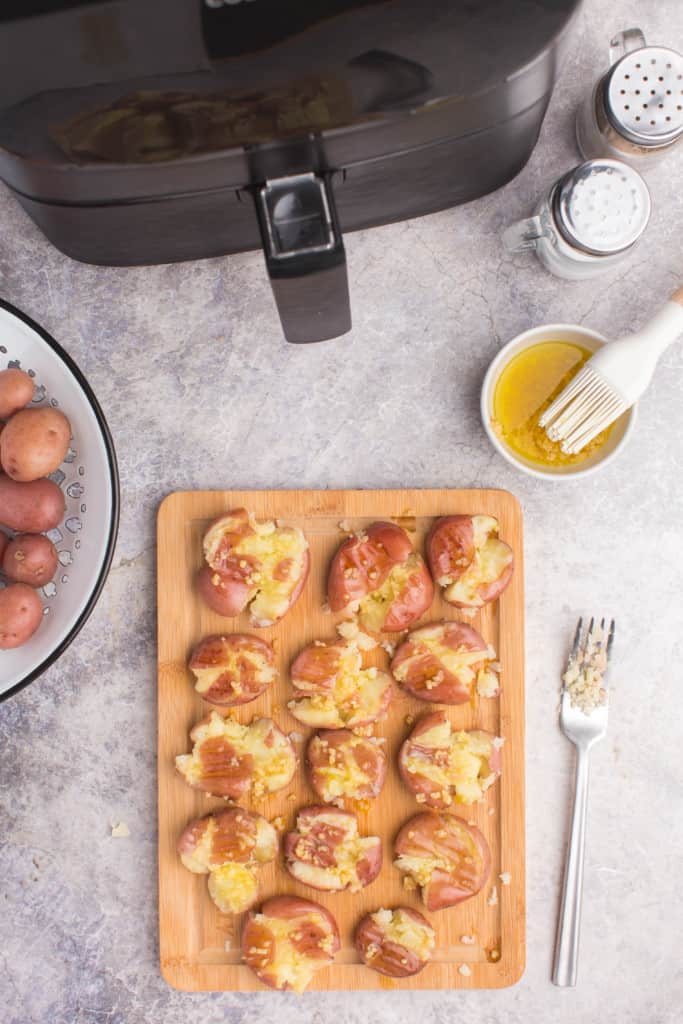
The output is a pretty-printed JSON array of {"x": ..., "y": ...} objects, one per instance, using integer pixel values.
[
  {"x": 368, "y": 756},
  {"x": 412, "y": 603},
  {"x": 30, "y": 558},
  {"x": 452, "y": 690},
  {"x": 361, "y": 566},
  {"x": 21, "y": 612},
  {"x": 393, "y": 960},
  {"x": 420, "y": 784},
  {"x": 224, "y": 560},
  {"x": 223, "y": 595},
  {"x": 450, "y": 546},
  {"x": 450, "y": 550},
  {"x": 288, "y": 908},
  {"x": 16, "y": 391},
  {"x": 387, "y": 545},
  {"x": 34, "y": 443},
  {"x": 418, "y": 837},
  {"x": 4, "y": 541},
  {"x": 322, "y": 843},
  {"x": 233, "y": 841},
  {"x": 315, "y": 668},
  {"x": 213, "y": 652},
  {"x": 30, "y": 507}
]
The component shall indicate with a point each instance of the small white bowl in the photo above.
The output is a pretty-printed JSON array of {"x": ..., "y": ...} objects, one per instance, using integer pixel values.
[{"x": 551, "y": 332}]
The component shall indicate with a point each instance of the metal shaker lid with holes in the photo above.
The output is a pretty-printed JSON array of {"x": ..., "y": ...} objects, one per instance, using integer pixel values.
[
  {"x": 601, "y": 207},
  {"x": 643, "y": 96}
]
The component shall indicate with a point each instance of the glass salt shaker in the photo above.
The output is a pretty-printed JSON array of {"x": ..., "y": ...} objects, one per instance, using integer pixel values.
[
  {"x": 589, "y": 220},
  {"x": 634, "y": 112}
]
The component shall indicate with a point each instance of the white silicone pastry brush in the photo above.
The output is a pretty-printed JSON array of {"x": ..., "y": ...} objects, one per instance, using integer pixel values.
[{"x": 612, "y": 380}]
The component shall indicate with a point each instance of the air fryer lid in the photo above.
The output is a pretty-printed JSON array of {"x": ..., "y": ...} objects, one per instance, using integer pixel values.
[{"x": 148, "y": 87}]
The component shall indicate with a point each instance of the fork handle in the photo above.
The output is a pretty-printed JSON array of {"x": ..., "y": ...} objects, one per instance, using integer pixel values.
[{"x": 568, "y": 927}]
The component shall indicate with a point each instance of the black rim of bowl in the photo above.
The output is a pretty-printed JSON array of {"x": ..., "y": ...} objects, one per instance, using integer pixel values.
[{"x": 115, "y": 504}]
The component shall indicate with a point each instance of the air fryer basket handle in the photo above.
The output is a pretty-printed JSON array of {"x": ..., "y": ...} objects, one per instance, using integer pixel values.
[{"x": 305, "y": 256}]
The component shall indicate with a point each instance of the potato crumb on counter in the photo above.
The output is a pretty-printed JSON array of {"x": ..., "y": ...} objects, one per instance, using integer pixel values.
[
  {"x": 467, "y": 940},
  {"x": 583, "y": 680},
  {"x": 120, "y": 830},
  {"x": 505, "y": 877},
  {"x": 465, "y": 970},
  {"x": 492, "y": 901}
]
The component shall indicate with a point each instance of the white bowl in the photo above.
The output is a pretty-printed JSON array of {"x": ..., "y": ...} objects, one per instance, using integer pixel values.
[
  {"x": 588, "y": 339},
  {"x": 86, "y": 538}
]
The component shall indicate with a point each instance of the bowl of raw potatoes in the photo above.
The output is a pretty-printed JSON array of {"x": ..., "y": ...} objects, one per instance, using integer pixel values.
[{"x": 59, "y": 500}]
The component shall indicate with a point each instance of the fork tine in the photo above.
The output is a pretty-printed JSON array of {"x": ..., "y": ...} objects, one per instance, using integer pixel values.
[
  {"x": 577, "y": 639},
  {"x": 589, "y": 634},
  {"x": 610, "y": 638}
]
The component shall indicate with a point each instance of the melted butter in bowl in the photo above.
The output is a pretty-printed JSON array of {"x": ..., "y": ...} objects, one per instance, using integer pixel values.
[
  {"x": 526, "y": 387},
  {"x": 525, "y": 376}
]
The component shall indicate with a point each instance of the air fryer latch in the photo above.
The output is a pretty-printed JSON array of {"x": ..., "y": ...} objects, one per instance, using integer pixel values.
[{"x": 305, "y": 256}]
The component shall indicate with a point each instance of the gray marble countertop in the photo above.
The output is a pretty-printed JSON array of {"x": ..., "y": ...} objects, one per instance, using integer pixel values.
[{"x": 201, "y": 392}]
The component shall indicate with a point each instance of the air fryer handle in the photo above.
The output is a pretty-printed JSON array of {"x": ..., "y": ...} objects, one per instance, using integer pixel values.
[{"x": 305, "y": 256}]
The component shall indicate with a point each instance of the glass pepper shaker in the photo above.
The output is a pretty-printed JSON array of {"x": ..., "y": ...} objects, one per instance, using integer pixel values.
[
  {"x": 634, "y": 112},
  {"x": 589, "y": 220}
]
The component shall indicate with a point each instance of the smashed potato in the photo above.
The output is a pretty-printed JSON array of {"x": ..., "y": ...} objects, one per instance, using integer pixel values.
[
  {"x": 442, "y": 766},
  {"x": 397, "y": 942},
  {"x": 447, "y": 859},
  {"x": 326, "y": 852},
  {"x": 288, "y": 940},
  {"x": 255, "y": 564},
  {"x": 446, "y": 663},
  {"x": 377, "y": 575},
  {"x": 333, "y": 691},
  {"x": 342, "y": 766},
  {"x": 468, "y": 559},
  {"x": 232, "y": 670},
  {"x": 233, "y": 760},
  {"x": 229, "y": 847}
]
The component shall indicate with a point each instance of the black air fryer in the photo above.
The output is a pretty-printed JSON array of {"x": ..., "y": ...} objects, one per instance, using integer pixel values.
[{"x": 149, "y": 131}]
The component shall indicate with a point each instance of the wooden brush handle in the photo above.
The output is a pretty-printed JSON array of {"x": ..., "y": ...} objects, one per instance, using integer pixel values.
[{"x": 678, "y": 296}]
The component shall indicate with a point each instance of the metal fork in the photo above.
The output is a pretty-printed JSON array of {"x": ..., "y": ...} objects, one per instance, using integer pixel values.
[{"x": 583, "y": 730}]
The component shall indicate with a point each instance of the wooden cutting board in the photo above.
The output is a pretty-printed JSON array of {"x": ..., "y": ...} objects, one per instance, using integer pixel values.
[{"x": 200, "y": 948}]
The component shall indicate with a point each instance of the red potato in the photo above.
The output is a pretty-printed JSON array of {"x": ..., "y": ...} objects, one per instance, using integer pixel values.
[
  {"x": 326, "y": 851},
  {"x": 30, "y": 558},
  {"x": 30, "y": 508},
  {"x": 230, "y": 847},
  {"x": 233, "y": 760},
  {"x": 445, "y": 857},
  {"x": 16, "y": 391},
  {"x": 255, "y": 564},
  {"x": 333, "y": 690},
  {"x": 397, "y": 942},
  {"x": 468, "y": 560},
  {"x": 377, "y": 574},
  {"x": 441, "y": 766},
  {"x": 21, "y": 612},
  {"x": 342, "y": 766},
  {"x": 446, "y": 663},
  {"x": 288, "y": 941},
  {"x": 34, "y": 443},
  {"x": 232, "y": 670},
  {"x": 224, "y": 596}
]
